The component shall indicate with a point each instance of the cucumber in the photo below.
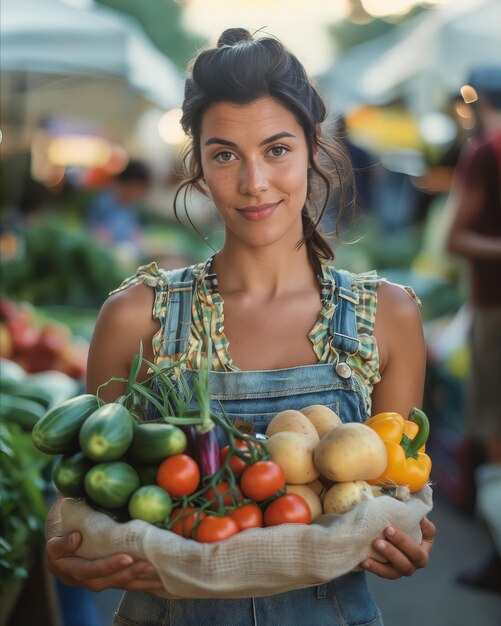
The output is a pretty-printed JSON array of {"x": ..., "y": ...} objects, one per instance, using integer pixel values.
[
  {"x": 154, "y": 442},
  {"x": 55, "y": 386},
  {"x": 69, "y": 472},
  {"x": 150, "y": 503},
  {"x": 22, "y": 411},
  {"x": 111, "y": 484},
  {"x": 107, "y": 433},
  {"x": 10, "y": 372},
  {"x": 48, "y": 388},
  {"x": 29, "y": 392},
  {"x": 57, "y": 431}
]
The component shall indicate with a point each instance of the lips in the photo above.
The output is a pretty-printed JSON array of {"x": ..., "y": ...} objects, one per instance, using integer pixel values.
[{"x": 258, "y": 212}]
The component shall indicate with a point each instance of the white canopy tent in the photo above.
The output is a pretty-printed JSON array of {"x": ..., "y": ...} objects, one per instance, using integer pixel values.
[
  {"x": 54, "y": 37},
  {"x": 425, "y": 61}
]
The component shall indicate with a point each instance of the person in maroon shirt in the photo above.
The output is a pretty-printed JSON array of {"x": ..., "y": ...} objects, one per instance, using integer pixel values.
[{"x": 475, "y": 235}]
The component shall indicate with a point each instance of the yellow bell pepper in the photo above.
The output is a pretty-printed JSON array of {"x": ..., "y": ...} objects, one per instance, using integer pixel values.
[{"x": 405, "y": 439}]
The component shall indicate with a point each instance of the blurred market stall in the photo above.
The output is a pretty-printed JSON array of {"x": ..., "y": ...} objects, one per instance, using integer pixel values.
[
  {"x": 57, "y": 38},
  {"x": 424, "y": 61}
]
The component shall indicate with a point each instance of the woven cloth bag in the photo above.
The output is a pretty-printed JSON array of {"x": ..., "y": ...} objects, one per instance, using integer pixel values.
[{"x": 256, "y": 562}]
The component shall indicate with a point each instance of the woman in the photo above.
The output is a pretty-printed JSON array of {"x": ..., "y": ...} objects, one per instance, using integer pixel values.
[{"x": 295, "y": 331}]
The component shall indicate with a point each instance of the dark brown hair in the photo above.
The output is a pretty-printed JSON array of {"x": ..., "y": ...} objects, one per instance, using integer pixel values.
[{"x": 241, "y": 70}]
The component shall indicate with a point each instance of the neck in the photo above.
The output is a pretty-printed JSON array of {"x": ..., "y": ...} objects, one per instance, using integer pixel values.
[{"x": 263, "y": 273}]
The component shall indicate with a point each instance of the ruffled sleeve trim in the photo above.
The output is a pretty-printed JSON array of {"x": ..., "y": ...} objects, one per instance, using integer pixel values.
[
  {"x": 149, "y": 274},
  {"x": 366, "y": 285},
  {"x": 155, "y": 277}
]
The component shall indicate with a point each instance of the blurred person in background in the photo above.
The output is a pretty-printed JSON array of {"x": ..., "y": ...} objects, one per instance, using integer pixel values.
[
  {"x": 475, "y": 235},
  {"x": 113, "y": 216}
]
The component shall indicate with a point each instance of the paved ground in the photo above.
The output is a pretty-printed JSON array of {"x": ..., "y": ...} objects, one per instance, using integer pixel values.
[{"x": 430, "y": 597}]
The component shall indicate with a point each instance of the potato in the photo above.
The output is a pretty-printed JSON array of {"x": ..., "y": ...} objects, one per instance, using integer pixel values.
[
  {"x": 342, "y": 497},
  {"x": 294, "y": 453},
  {"x": 292, "y": 421},
  {"x": 322, "y": 418},
  {"x": 310, "y": 497},
  {"x": 350, "y": 452},
  {"x": 316, "y": 486}
]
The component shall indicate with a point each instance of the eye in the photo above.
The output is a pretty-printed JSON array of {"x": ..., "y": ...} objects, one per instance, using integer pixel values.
[
  {"x": 278, "y": 151},
  {"x": 224, "y": 156}
]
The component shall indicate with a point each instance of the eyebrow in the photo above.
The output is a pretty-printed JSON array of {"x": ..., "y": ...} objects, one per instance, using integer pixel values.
[{"x": 226, "y": 142}]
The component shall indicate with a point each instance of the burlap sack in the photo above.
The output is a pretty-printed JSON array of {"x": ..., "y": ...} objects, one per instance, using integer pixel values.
[{"x": 256, "y": 562}]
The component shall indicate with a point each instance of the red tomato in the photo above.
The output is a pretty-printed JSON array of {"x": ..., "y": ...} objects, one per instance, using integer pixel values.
[
  {"x": 237, "y": 465},
  {"x": 186, "y": 518},
  {"x": 214, "y": 528},
  {"x": 288, "y": 509},
  {"x": 230, "y": 496},
  {"x": 262, "y": 480},
  {"x": 248, "y": 516},
  {"x": 179, "y": 475}
]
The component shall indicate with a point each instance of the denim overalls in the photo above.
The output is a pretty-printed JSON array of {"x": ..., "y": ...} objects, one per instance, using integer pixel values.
[{"x": 253, "y": 398}]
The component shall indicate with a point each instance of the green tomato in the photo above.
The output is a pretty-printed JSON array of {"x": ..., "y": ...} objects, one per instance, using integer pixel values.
[{"x": 151, "y": 504}]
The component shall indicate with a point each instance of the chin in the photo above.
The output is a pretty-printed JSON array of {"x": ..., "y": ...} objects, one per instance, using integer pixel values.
[{"x": 266, "y": 237}]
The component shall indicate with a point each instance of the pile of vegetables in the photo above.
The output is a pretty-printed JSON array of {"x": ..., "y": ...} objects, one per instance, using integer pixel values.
[
  {"x": 170, "y": 472},
  {"x": 334, "y": 465},
  {"x": 37, "y": 345},
  {"x": 24, "y": 470},
  {"x": 25, "y": 397}
]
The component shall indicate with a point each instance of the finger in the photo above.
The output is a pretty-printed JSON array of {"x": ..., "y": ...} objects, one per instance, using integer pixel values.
[
  {"x": 121, "y": 579},
  {"x": 82, "y": 570},
  {"x": 428, "y": 531},
  {"x": 399, "y": 542},
  {"x": 58, "y": 547},
  {"x": 149, "y": 573},
  {"x": 397, "y": 559},
  {"x": 385, "y": 570}
]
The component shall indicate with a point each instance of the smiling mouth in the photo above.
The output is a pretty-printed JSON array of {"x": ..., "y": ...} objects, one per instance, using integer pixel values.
[{"x": 258, "y": 212}]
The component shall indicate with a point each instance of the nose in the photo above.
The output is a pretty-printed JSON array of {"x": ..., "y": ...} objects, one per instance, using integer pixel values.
[{"x": 253, "y": 179}]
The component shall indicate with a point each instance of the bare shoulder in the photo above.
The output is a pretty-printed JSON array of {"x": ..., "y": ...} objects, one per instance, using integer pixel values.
[
  {"x": 132, "y": 304},
  {"x": 124, "y": 323},
  {"x": 398, "y": 321},
  {"x": 126, "y": 319},
  {"x": 395, "y": 302}
]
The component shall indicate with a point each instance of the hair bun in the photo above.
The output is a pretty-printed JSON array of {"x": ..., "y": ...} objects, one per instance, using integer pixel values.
[{"x": 232, "y": 36}]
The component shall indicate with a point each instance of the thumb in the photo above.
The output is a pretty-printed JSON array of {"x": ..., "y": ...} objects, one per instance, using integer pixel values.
[
  {"x": 428, "y": 530},
  {"x": 58, "y": 547}
]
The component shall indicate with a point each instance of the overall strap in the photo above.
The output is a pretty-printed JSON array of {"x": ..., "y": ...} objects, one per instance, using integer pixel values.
[
  {"x": 344, "y": 322},
  {"x": 178, "y": 319}
]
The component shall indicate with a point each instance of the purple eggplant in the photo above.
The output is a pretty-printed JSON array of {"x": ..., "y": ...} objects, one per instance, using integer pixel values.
[
  {"x": 190, "y": 432},
  {"x": 208, "y": 453}
]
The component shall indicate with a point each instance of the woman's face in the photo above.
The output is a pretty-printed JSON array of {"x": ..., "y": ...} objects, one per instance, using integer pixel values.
[{"x": 255, "y": 164}]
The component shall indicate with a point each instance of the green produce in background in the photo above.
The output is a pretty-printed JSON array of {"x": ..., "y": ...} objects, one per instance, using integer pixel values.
[{"x": 23, "y": 509}]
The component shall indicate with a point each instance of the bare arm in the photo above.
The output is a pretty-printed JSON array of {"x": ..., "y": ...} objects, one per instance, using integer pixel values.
[
  {"x": 467, "y": 203},
  {"x": 402, "y": 355},
  {"x": 124, "y": 321},
  {"x": 402, "y": 352}
]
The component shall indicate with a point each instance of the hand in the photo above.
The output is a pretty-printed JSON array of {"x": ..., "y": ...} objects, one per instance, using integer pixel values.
[
  {"x": 403, "y": 556},
  {"x": 119, "y": 571}
]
